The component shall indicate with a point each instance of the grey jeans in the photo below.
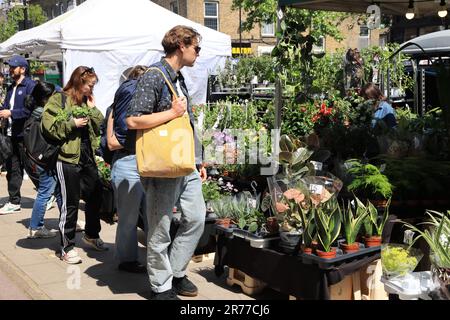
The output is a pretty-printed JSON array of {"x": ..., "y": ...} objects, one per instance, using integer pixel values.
[
  {"x": 166, "y": 258},
  {"x": 130, "y": 200}
]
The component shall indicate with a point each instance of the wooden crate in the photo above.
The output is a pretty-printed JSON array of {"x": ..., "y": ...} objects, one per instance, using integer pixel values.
[
  {"x": 371, "y": 286},
  {"x": 363, "y": 284},
  {"x": 248, "y": 284}
]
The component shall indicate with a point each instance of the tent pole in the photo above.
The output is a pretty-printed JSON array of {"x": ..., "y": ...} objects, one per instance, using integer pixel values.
[
  {"x": 278, "y": 88},
  {"x": 64, "y": 67}
]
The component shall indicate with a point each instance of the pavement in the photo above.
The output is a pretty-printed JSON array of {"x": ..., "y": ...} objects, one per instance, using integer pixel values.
[{"x": 31, "y": 268}]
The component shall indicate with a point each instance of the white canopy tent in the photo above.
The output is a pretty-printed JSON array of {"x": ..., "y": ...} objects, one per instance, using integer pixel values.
[{"x": 113, "y": 35}]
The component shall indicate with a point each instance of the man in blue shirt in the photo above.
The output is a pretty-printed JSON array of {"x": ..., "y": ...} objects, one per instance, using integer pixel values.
[{"x": 13, "y": 109}]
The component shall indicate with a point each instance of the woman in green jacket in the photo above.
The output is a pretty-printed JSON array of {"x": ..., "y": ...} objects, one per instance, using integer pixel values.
[{"x": 74, "y": 120}]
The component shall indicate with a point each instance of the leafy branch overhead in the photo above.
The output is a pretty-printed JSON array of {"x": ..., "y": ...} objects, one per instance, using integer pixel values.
[{"x": 301, "y": 29}]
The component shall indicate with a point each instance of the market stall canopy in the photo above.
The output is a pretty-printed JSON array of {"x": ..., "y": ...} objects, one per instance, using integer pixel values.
[
  {"x": 432, "y": 43},
  {"x": 393, "y": 7},
  {"x": 113, "y": 35}
]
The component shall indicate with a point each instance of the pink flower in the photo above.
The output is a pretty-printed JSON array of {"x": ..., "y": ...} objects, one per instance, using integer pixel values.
[
  {"x": 281, "y": 207},
  {"x": 294, "y": 194}
]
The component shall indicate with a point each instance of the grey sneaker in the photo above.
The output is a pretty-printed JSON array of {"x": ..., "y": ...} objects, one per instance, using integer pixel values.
[
  {"x": 40, "y": 233},
  {"x": 97, "y": 243},
  {"x": 9, "y": 208},
  {"x": 71, "y": 257}
]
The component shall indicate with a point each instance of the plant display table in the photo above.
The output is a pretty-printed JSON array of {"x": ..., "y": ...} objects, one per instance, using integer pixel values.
[{"x": 285, "y": 273}]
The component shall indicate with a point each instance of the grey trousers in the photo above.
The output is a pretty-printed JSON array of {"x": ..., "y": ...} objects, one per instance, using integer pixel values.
[{"x": 165, "y": 258}]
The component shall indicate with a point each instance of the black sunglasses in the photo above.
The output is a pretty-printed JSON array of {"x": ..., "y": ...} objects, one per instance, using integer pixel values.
[
  {"x": 87, "y": 70},
  {"x": 197, "y": 49}
]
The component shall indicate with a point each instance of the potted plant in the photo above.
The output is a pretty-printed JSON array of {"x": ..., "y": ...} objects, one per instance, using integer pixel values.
[
  {"x": 327, "y": 219},
  {"x": 368, "y": 182},
  {"x": 398, "y": 259},
  {"x": 353, "y": 221},
  {"x": 438, "y": 239},
  {"x": 211, "y": 191},
  {"x": 374, "y": 224},
  {"x": 309, "y": 237},
  {"x": 222, "y": 209},
  {"x": 294, "y": 156}
]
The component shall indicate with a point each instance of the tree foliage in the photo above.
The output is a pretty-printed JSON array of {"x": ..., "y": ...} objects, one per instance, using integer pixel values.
[
  {"x": 15, "y": 16},
  {"x": 300, "y": 30}
]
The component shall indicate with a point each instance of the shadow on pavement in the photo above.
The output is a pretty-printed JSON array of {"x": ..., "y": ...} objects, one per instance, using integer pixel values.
[
  {"x": 50, "y": 223},
  {"x": 107, "y": 274},
  {"x": 26, "y": 203}
]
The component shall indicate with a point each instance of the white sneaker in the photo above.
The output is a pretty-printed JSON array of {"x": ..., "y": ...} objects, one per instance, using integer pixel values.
[
  {"x": 71, "y": 257},
  {"x": 41, "y": 233},
  {"x": 10, "y": 208},
  {"x": 80, "y": 226},
  {"x": 50, "y": 203},
  {"x": 97, "y": 243}
]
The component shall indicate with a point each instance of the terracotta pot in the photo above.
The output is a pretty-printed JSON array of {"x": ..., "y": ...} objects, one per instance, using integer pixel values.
[
  {"x": 380, "y": 203},
  {"x": 373, "y": 241},
  {"x": 272, "y": 225},
  {"x": 307, "y": 250},
  {"x": 326, "y": 255},
  {"x": 350, "y": 248},
  {"x": 224, "y": 222}
]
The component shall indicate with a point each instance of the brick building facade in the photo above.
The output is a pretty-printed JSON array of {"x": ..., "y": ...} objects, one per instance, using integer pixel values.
[{"x": 261, "y": 39}]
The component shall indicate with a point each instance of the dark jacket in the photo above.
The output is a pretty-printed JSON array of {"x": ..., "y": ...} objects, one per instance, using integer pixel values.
[
  {"x": 122, "y": 98},
  {"x": 19, "y": 114}
]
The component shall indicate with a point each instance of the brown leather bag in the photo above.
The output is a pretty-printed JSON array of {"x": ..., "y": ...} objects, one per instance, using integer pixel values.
[{"x": 166, "y": 151}]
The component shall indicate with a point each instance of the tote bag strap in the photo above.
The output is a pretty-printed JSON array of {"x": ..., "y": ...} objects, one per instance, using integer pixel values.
[{"x": 169, "y": 84}]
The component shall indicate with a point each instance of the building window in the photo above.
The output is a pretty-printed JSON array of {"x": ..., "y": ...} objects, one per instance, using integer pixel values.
[
  {"x": 174, "y": 6},
  {"x": 320, "y": 46},
  {"x": 267, "y": 29},
  {"x": 212, "y": 15},
  {"x": 363, "y": 31}
]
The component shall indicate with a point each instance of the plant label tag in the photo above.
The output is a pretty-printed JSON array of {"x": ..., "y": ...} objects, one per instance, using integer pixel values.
[
  {"x": 252, "y": 203},
  {"x": 348, "y": 165},
  {"x": 382, "y": 167},
  {"x": 163, "y": 133},
  {"x": 315, "y": 188},
  {"x": 408, "y": 237},
  {"x": 317, "y": 165}
]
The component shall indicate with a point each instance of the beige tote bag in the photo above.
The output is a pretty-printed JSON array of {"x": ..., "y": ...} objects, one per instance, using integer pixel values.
[{"x": 166, "y": 151}]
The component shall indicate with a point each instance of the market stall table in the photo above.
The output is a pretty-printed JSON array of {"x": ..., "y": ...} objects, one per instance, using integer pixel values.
[{"x": 283, "y": 272}]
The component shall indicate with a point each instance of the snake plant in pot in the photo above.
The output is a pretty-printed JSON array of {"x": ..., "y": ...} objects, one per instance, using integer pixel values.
[
  {"x": 327, "y": 219},
  {"x": 374, "y": 223},
  {"x": 353, "y": 219}
]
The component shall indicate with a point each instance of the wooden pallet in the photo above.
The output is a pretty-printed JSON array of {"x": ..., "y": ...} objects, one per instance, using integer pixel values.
[
  {"x": 202, "y": 257},
  {"x": 363, "y": 284},
  {"x": 248, "y": 284}
]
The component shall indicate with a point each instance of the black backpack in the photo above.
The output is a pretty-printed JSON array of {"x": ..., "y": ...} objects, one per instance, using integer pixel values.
[{"x": 40, "y": 149}]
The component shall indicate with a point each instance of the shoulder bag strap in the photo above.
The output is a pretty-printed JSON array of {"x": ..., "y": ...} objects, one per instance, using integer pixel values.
[
  {"x": 169, "y": 84},
  {"x": 63, "y": 100}
]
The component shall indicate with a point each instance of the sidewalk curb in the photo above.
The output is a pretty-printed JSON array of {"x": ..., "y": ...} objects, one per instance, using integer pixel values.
[{"x": 19, "y": 278}]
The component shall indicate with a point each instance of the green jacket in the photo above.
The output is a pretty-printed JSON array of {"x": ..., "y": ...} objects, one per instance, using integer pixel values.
[{"x": 66, "y": 131}]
